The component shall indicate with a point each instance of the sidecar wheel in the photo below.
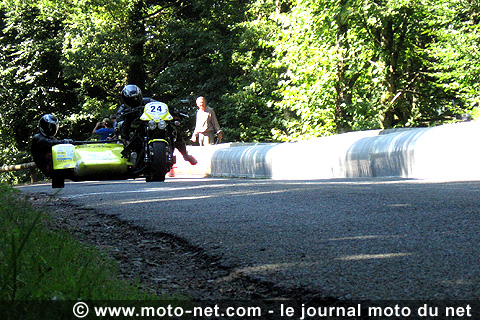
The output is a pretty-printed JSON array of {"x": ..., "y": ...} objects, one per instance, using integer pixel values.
[
  {"x": 58, "y": 182},
  {"x": 158, "y": 166}
]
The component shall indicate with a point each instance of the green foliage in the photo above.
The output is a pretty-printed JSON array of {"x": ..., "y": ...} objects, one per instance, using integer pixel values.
[
  {"x": 306, "y": 51},
  {"x": 38, "y": 264},
  {"x": 95, "y": 52},
  {"x": 31, "y": 75},
  {"x": 456, "y": 50},
  {"x": 272, "y": 70},
  {"x": 250, "y": 112},
  {"x": 190, "y": 53}
]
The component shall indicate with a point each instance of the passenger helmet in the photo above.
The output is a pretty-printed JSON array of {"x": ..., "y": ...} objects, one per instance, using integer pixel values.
[
  {"x": 48, "y": 125},
  {"x": 132, "y": 96}
]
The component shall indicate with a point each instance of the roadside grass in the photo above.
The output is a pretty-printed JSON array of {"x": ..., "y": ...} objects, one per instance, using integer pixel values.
[{"x": 39, "y": 264}]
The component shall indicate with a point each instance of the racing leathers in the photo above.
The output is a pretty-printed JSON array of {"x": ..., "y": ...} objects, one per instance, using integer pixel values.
[
  {"x": 126, "y": 116},
  {"x": 41, "y": 150}
]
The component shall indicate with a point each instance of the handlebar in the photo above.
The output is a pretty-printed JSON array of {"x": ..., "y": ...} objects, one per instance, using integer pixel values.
[{"x": 96, "y": 142}]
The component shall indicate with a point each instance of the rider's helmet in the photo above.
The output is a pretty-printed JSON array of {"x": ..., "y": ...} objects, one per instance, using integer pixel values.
[
  {"x": 132, "y": 96},
  {"x": 48, "y": 125}
]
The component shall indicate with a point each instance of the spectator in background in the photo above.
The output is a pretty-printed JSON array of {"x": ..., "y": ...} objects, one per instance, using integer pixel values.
[
  {"x": 113, "y": 118},
  {"x": 206, "y": 124},
  {"x": 104, "y": 129}
]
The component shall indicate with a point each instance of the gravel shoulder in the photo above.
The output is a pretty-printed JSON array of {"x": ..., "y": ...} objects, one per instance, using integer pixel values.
[{"x": 163, "y": 265}]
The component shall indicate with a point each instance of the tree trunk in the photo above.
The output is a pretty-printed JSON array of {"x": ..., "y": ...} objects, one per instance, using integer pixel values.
[
  {"x": 136, "y": 71},
  {"x": 343, "y": 85},
  {"x": 392, "y": 42}
]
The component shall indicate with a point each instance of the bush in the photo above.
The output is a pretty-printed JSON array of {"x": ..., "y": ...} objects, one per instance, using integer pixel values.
[{"x": 39, "y": 264}]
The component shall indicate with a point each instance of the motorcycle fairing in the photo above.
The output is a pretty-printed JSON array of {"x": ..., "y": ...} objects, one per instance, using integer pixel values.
[
  {"x": 156, "y": 111},
  {"x": 90, "y": 159},
  {"x": 153, "y": 140}
]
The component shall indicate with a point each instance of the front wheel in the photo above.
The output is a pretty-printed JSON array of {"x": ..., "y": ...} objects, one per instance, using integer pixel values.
[{"x": 158, "y": 162}]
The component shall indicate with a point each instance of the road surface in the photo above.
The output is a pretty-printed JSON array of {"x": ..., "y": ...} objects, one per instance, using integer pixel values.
[{"x": 354, "y": 239}]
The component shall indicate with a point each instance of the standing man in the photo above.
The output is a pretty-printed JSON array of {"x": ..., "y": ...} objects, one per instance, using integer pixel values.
[{"x": 206, "y": 124}]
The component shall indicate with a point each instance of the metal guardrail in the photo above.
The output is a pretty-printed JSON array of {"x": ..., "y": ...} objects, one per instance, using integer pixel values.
[
  {"x": 17, "y": 167},
  {"x": 24, "y": 166}
]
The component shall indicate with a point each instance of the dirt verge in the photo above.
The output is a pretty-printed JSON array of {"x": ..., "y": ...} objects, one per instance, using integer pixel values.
[{"x": 163, "y": 265}]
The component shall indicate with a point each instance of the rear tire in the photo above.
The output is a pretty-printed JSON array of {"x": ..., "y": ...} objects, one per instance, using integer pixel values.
[{"x": 158, "y": 162}]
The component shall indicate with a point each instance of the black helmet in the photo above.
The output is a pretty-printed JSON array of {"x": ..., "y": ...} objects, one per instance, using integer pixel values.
[
  {"x": 132, "y": 96},
  {"x": 48, "y": 125}
]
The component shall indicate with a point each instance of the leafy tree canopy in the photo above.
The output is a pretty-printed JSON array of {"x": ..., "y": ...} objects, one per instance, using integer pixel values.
[{"x": 273, "y": 70}]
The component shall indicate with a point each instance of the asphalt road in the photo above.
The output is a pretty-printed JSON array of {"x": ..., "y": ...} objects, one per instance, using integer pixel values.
[{"x": 354, "y": 239}]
